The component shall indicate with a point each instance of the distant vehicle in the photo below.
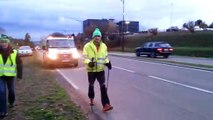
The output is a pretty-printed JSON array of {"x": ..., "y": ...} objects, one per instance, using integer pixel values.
[
  {"x": 154, "y": 49},
  {"x": 60, "y": 50},
  {"x": 37, "y": 48},
  {"x": 25, "y": 51},
  {"x": 208, "y": 29},
  {"x": 184, "y": 29},
  {"x": 197, "y": 28},
  {"x": 172, "y": 29}
]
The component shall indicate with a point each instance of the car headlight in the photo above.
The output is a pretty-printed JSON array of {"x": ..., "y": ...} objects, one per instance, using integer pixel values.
[{"x": 52, "y": 55}]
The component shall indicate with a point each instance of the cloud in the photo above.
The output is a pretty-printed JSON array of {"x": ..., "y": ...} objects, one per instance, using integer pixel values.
[{"x": 43, "y": 16}]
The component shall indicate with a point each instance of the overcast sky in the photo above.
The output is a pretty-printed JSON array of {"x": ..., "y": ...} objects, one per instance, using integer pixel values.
[{"x": 42, "y": 17}]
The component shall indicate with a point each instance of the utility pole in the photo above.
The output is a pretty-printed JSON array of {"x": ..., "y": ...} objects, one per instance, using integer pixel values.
[
  {"x": 80, "y": 21},
  {"x": 122, "y": 40},
  {"x": 171, "y": 15}
]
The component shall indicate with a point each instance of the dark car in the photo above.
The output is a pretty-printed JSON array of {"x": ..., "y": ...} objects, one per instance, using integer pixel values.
[
  {"x": 154, "y": 49},
  {"x": 173, "y": 29}
]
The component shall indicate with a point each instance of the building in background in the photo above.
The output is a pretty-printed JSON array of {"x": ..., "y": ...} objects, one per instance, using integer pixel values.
[{"x": 129, "y": 26}]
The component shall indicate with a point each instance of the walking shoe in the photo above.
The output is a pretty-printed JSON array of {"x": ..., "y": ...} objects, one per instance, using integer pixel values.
[
  {"x": 91, "y": 102},
  {"x": 107, "y": 107},
  {"x": 2, "y": 115},
  {"x": 12, "y": 105}
]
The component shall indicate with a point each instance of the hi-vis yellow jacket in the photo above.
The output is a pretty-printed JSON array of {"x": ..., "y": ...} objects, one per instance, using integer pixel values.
[
  {"x": 100, "y": 56},
  {"x": 9, "y": 68}
]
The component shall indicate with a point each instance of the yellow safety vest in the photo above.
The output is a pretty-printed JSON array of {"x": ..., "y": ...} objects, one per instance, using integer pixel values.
[
  {"x": 100, "y": 56},
  {"x": 9, "y": 68}
]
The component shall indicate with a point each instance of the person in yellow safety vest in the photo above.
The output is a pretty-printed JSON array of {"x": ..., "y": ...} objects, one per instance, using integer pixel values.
[
  {"x": 10, "y": 67},
  {"x": 96, "y": 58}
]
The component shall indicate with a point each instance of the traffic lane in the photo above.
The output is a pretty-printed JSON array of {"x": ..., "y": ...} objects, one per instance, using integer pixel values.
[
  {"x": 136, "y": 99},
  {"x": 187, "y": 103},
  {"x": 180, "y": 75},
  {"x": 138, "y": 96},
  {"x": 78, "y": 79}
]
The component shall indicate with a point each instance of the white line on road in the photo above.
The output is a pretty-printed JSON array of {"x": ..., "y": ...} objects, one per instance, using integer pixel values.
[
  {"x": 183, "y": 85},
  {"x": 67, "y": 79},
  {"x": 124, "y": 69}
]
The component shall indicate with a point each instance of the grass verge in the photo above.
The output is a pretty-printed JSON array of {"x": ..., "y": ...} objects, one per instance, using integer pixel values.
[
  {"x": 206, "y": 52},
  {"x": 40, "y": 97}
]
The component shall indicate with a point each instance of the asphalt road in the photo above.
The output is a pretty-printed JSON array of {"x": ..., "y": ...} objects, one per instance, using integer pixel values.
[{"x": 141, "y": 90}]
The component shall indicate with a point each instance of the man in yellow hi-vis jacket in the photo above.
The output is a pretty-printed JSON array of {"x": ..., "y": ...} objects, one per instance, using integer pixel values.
[{"x": 96, "y": 58}]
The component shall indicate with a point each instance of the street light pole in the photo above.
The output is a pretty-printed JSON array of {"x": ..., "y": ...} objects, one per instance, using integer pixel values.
[
  {"x": 122, "y": 41},
  {"x": 171, "y": 16},
  {"x": 81, "y": 24},
  {"x": 80, "y": 21}
]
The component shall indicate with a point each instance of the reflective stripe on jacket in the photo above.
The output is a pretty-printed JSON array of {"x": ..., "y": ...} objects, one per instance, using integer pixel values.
[
  {"x": 100, "y": 56},
  {"x": 9, "y": 68}
]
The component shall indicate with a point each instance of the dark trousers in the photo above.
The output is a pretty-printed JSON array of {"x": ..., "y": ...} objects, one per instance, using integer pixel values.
[
  {"x": 11, "y": 90},
  {"x": 100, "y": 76},
  {"x": 6, "y": 82},
  {"x": 3, "y": 96}
]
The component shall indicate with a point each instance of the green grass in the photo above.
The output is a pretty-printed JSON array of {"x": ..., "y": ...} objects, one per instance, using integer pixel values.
[
  {"x": 198, "y": 44},
  {"x": 40, "y": 97},
  {"x": 194, "y": 51},
  {"x": 176, "y": 39}
]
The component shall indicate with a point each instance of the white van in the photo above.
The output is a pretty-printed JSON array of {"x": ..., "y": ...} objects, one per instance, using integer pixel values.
[{"x": 60, "y": 50}]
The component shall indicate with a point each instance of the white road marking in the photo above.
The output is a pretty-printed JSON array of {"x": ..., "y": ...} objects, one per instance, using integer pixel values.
[
  {"x": 124, "y": 69},
  {"x": 79, "y": 68},
  {"x": 68, "y": 80},
  {"x": 183, "y": 85}
]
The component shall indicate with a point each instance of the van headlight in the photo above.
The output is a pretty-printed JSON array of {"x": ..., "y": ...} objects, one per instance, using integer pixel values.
[
  {"x": 52, "y": 55},
  {"x": 75, "y": 53}
]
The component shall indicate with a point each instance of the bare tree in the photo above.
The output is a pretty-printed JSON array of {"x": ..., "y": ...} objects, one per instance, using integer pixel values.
[
  {"x": 198, "y": 22},
  {"x": 153, "y": 31},
  {"x": 105, "y": 29},
  {"x": 190, "y": 26},
  {"x": 27, "y": 39},
  {"x": 201, "y": 24}
]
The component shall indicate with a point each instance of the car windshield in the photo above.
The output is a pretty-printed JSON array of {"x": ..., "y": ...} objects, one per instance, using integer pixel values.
[
  {"x": 64, "y": 43},
  {"x": 25, "y": 48},
  {"x": 163, "y": 45}
]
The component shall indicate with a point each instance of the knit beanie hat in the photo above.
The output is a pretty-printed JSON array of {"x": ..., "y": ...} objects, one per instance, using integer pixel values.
[
  {"x": 4, "y": 38},
  {"x": 96, "y": 32}
]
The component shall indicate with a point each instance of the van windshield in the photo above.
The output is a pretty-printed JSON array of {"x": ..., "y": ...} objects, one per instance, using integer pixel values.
[{"x": 61, "y": 43}]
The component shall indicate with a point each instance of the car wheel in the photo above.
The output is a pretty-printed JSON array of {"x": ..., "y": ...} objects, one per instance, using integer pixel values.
[
  {"x": 76, "y": 65},
  {"x": 137, "y": 54},
  {"x": 50, "y": 66},
  {"x": 47, "y": 65},
  {"x": 166, "y": 56},
  {"x": 153, "y": 55}
]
